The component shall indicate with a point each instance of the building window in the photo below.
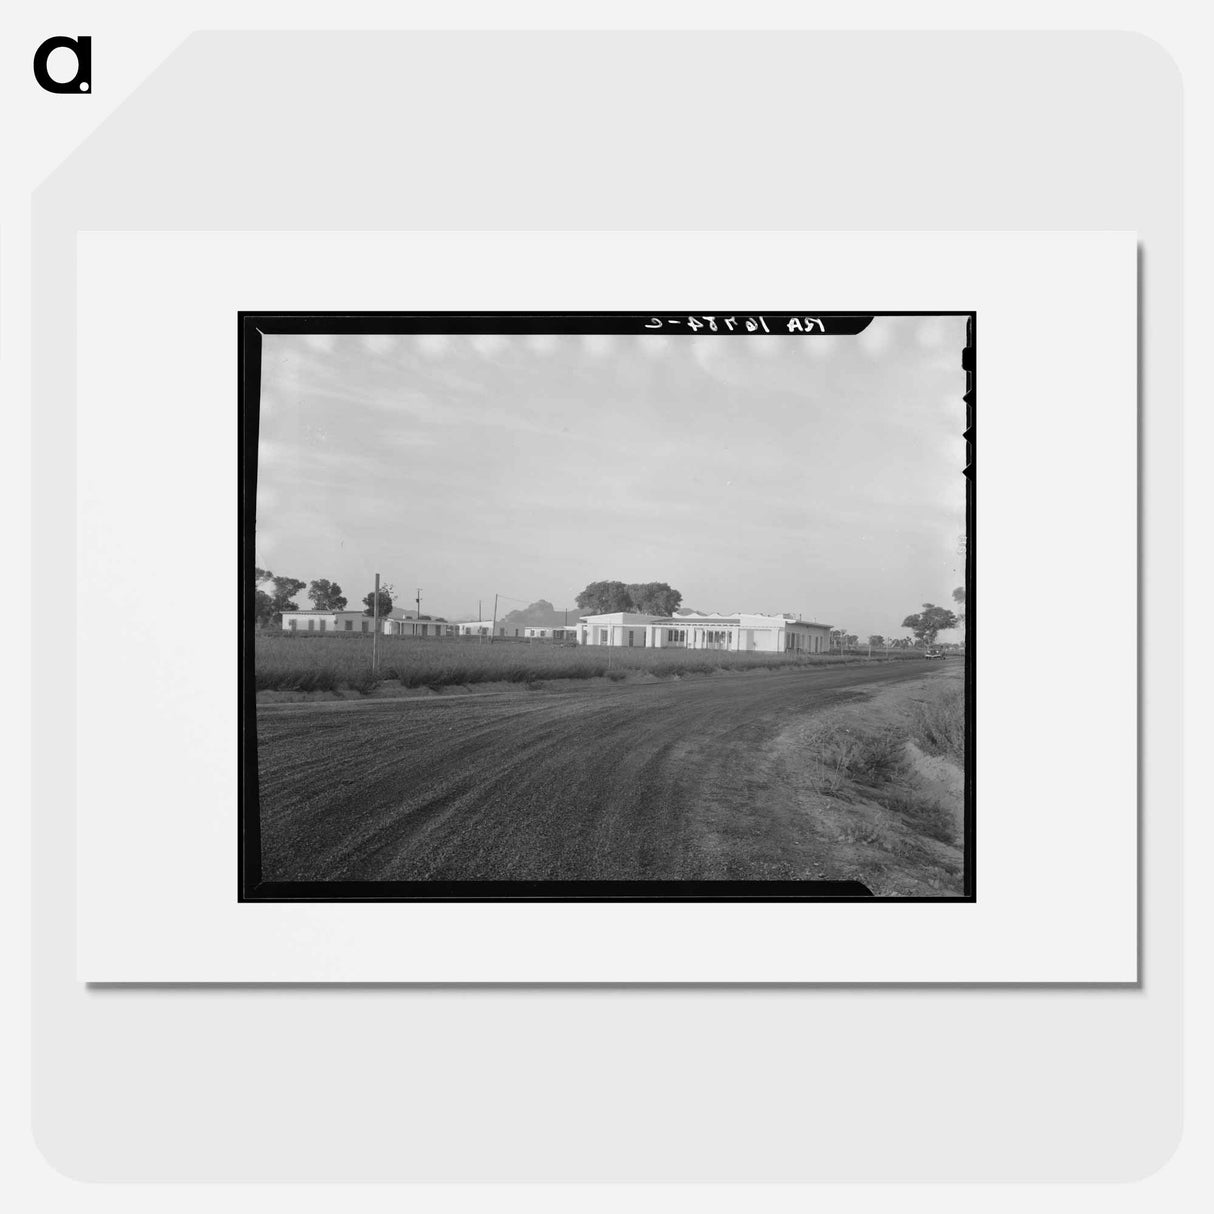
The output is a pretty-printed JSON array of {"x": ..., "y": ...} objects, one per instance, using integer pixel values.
[
  {"x": 602, "y": 636},
  {"x": 291, "y": 624},
  {"x": 323, "y": 625},
  {"x": 349, "y": 625},
  {"x": 311, "y": 625},
  {"x": 364, "y": 625}
]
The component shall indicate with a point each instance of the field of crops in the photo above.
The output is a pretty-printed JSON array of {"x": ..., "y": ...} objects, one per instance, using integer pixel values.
[{"x": 338, "y": 663}]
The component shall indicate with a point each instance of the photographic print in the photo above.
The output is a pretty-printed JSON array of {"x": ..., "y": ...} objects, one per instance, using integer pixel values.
[{"x": 607, "y": 606}]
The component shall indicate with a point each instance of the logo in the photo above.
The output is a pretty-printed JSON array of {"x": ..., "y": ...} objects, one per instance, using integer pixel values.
[{"x": 82, "y": 81}]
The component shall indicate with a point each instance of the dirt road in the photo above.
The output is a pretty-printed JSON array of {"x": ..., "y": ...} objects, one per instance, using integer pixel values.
[{"x": 662, "y": 780}]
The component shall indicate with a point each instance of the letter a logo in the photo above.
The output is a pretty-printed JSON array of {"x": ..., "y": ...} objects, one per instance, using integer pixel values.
[{"x": 82, "y": 81}]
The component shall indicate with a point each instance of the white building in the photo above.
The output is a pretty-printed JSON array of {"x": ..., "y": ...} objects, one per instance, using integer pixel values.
[
  {"x": 616, "y": 628},
  {"x": 562, "y": 632},
  {"x": 396, "y": 623},
  {"x": 326, "y": 621},
  {"x": 474, "y": 628},
  {"x": 742, "y": 632},
  {"x": 399, "y": 623}
]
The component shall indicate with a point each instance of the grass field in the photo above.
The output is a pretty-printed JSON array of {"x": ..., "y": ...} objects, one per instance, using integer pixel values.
[{"x": 338, "y": 663}]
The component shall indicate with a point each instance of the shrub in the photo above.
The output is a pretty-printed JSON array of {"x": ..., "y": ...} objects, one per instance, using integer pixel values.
[
  {"x": 925, "y": 815},
  {"x": 938, "y": 724},
  {"x": 869, "y": 757}
]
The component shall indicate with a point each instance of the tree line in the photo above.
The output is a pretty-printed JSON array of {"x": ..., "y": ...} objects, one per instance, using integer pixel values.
[
  {"x": 325, "y": 595},
  {"x": 926, "y": 624}
]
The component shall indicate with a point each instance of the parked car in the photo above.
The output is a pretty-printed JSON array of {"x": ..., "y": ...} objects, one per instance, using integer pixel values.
[{"x": 935, "y": 653}]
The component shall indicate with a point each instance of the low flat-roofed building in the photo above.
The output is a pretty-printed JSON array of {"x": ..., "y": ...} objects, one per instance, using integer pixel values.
[
  {"x": 549, "y": 632},
  {"x": 615, "y": 628},
  {"x": 745, "y": 632},
  {"x": 398, "y": 623},
  {"x": 326, "y": 621},
  {"x": 473, "y": 628},
  {"x": 742, "y": 632}
]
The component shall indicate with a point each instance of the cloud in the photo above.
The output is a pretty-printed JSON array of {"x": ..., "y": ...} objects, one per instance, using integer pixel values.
[
  {"x": 875, "y": 340},
  {"x": 763, "y": 344},
  {"x": 321, "y": 342},
  {"x": 487, "y": 345},
  {"x": 708, "y": 351},
  {"x": 432, "y": 345},
  {"x": 932, "y": 332},
  {"x": 379, "y": 343},
  {"x": 270, "y": 453},
  {"x": 822, "y": 347}
]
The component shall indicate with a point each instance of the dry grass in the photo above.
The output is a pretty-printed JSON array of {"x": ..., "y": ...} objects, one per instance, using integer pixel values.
[
  {"x": 846, "y": 755},
  {"x": 938, "y": 724},
  {"x": 339, "y": 663},
  {"x": 883, "y": 825},
  {"x": 924, "y": 815}
]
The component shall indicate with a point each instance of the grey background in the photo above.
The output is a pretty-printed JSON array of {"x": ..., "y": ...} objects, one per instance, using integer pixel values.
[{"x": 569, "y": 131}]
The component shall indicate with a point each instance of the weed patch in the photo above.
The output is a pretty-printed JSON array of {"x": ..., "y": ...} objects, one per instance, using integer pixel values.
[
  {"x": 938, "y": 724},
  {"x": 924, "y": 815},
  {"x": 843, "y": 755}
]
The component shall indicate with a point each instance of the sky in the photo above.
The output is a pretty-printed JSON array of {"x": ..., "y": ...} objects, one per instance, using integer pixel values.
[{"x": 820, "y": 476}]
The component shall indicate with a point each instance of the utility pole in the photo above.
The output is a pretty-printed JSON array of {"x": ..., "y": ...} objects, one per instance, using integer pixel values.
[
  {"x": 419, "y": 602},
  {"x": 375, "y": 628},
  {"x": 493, "y": 630}
]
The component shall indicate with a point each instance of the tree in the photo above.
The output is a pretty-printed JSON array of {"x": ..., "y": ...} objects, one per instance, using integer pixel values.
[
  {"x": 385, "y": 602},
  {"x": 263, "y": 603},
  {"x": 285, "y": 588},
  {"x": 646, "y": 598},
  {"x": 263, "y": 610},
  {"x": 929, "y": 622},
  {"x": 602, "y": 598},
  {"x": 877, "y": 641},
  {"x": 326, "y": 595},
  {"x": 268, "y": 608},
  {"x": 654, "y": 598}
]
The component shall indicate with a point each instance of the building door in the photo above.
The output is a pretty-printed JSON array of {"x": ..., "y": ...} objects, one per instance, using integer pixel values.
[{"x": 630, "y": 632}]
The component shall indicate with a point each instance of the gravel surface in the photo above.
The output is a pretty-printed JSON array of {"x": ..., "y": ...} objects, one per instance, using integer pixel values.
[{"x": 644, "y": 781}]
